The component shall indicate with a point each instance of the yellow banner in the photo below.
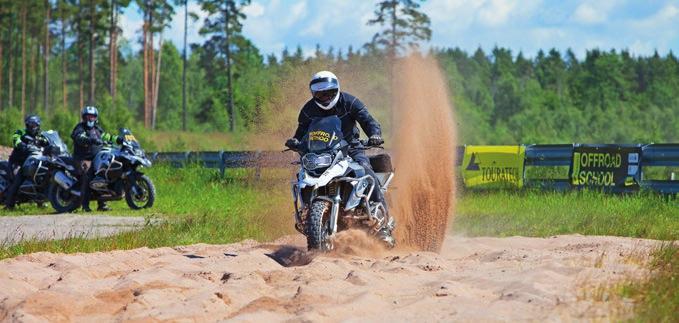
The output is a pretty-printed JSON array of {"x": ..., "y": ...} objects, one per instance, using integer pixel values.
[{"x": 493, "y": 166}]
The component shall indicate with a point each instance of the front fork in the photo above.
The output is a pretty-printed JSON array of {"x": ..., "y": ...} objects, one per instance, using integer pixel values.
[
  {"x": 131, "y": 178},
  {"x": 334, "y": 210}
]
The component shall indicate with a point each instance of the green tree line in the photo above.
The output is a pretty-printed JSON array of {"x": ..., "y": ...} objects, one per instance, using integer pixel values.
[{"x": 58, "y": 55}]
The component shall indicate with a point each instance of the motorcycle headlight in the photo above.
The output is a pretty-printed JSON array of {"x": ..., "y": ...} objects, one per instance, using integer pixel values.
[{"x": 313, "y": 161}]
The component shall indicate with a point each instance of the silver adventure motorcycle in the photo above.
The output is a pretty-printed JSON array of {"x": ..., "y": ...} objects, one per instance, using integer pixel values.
[{"x": 332, "y": 191}]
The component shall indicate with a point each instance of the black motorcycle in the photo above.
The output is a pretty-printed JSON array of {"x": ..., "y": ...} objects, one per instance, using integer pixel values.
[
  {"x": 117, "y": 174},
  {"x": 38, "y": 170}
]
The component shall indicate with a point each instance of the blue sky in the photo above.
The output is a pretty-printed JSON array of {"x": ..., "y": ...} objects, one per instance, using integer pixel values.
[{"x": 641, "y": 26}]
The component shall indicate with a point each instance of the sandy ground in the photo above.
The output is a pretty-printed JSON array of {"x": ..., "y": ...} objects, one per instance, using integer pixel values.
[
  {"x": 5, "y": 152},
  {"x": 14, "y": 229},
  {"x": 488, "y": 279}
]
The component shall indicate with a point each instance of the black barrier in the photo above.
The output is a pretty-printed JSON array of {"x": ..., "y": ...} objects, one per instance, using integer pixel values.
[
  {"x": 607, "y": 167},
  {"x": 612, "y": 168}
]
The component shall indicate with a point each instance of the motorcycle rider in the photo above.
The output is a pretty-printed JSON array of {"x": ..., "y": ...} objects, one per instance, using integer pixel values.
[
  {"x": 88, "y": 138},
  {"x": 327, "y": 100},
  {"x": 21, "y": 140}
]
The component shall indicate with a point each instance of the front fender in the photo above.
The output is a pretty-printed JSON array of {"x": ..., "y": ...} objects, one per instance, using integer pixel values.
[{"x": 333, "y": 171}]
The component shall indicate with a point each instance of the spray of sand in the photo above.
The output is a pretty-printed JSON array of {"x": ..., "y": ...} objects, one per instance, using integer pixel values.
[{"x": 424, "y": 151}]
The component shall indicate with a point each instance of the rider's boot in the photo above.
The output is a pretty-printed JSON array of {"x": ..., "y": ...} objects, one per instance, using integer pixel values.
[
  {"x": 86, "y": 207},
  {"x": 10, "y": 199},
  {"x": 102, "y": 206},
  {"x": 386, "y": 233}
]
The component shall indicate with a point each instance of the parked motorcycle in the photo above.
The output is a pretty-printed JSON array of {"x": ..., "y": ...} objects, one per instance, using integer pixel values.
[
  {"x": 332, "y": 191},
  {"x": 39, "y": 169},
  {"x": 117, "y": 175}
]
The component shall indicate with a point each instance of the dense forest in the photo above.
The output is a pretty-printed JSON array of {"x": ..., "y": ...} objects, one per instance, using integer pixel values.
[{"x": 58, "y": 55}]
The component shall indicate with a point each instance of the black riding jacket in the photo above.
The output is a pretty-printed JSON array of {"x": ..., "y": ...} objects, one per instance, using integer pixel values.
[
  {"x": 349, "y": 109},
  {"x": 20, "y": 153},
  {"x": 83, "y": 148}
]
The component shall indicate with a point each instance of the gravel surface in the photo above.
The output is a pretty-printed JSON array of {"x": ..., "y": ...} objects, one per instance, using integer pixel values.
[
  {"x": 5, "y": 152},
  {"x": 14, "y": 229}
]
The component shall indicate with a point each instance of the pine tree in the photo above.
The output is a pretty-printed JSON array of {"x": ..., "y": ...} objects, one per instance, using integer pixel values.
[
  {"x": 405, "y": 26},
  {"x": 223, "y": 24}
]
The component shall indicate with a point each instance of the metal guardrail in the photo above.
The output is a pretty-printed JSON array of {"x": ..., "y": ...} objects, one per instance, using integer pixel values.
[
  {"x": 225, "y": 159},
  {"x": 663, "y": 155},
  {"x": 561, "y": 155},
  {"x": 548, "y": 156}
]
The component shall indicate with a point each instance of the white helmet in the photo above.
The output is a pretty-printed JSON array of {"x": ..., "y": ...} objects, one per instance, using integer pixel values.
[
  {"x": 325, "y": 89},
  {"x": 90, "y": 114}
]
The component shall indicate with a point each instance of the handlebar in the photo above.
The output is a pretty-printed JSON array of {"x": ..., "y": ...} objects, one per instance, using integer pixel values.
[{"x": 366, "y": 146}]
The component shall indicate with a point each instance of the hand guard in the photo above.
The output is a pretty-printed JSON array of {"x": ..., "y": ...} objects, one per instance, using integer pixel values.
[
  {"x": 42, "y": 142},
  {"x": 293, "y": 143},
  {"x": 375, "y": 140}
]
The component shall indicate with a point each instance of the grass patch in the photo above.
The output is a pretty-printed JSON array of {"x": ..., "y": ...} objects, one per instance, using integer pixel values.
[
  {"x": 193, "y": 141},
  {"x": 657, "y": 299},
  {"x": 196, "y": 205},
  {"x": 536, "y": 213}
]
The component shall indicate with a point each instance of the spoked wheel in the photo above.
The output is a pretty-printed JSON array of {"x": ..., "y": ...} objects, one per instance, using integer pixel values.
[
  {"x": 316, "y": 226},
  {"x": 62, "y": 200},
  {"x": 142, "y": 195}
]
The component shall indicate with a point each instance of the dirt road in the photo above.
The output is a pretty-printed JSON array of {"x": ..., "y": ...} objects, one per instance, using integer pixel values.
[
  {"x": 471, "y": 279},
  {"x": 14, "y": 229}
]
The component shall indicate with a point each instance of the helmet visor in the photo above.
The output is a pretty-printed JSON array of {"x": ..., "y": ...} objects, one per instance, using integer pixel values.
[
  {"x": 324, "y": 97},
  {"x": 323, "y": 83},
  {"x": 32, "y": 127}
]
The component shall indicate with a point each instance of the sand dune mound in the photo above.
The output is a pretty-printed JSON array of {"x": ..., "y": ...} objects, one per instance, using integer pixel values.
[{"x": 471, "y": 279}]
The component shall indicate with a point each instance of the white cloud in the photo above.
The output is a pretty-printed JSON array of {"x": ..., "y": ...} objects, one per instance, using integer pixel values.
[
  {"x": 323, "y": 20},
  {"x": 586, "y": 14},
  {"x": 254, "y": 10},
  {"x": 594, "y": 12},
  {"x": 642, "y": 48},
  {"x": 130, "y": 26},
  {"x": 494, "y": 13},
  {"x": 297, "y": 12},
  {"x": 665, "y": 16}
]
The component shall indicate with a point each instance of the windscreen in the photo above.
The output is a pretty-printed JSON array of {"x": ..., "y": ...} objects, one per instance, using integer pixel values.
[
  {"x": 324, "y": 133},
  {"x": 129, "y": 138},
  {"x": 54, "y": 139}
]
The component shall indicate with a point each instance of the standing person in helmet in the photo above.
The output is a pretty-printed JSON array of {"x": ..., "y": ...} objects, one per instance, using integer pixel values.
[
  {"x": 327, "y": 100},
  {"x": 23, "y": 140},
  {"x": 88, "y": 138}
]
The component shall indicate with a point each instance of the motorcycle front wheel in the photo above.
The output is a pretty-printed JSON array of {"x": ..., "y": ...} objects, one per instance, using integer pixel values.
[
  {"x": 144, "y": 196},
  {"x": 61, "y": 199},
  {"x": 316, "y": 226}
]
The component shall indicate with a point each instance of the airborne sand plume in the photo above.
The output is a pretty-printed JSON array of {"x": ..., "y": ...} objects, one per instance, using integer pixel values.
[{"x": 424, "y": 138}]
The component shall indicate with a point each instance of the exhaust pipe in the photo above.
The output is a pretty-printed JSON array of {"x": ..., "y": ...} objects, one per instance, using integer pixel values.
[{"x": 63, "y": 180}]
